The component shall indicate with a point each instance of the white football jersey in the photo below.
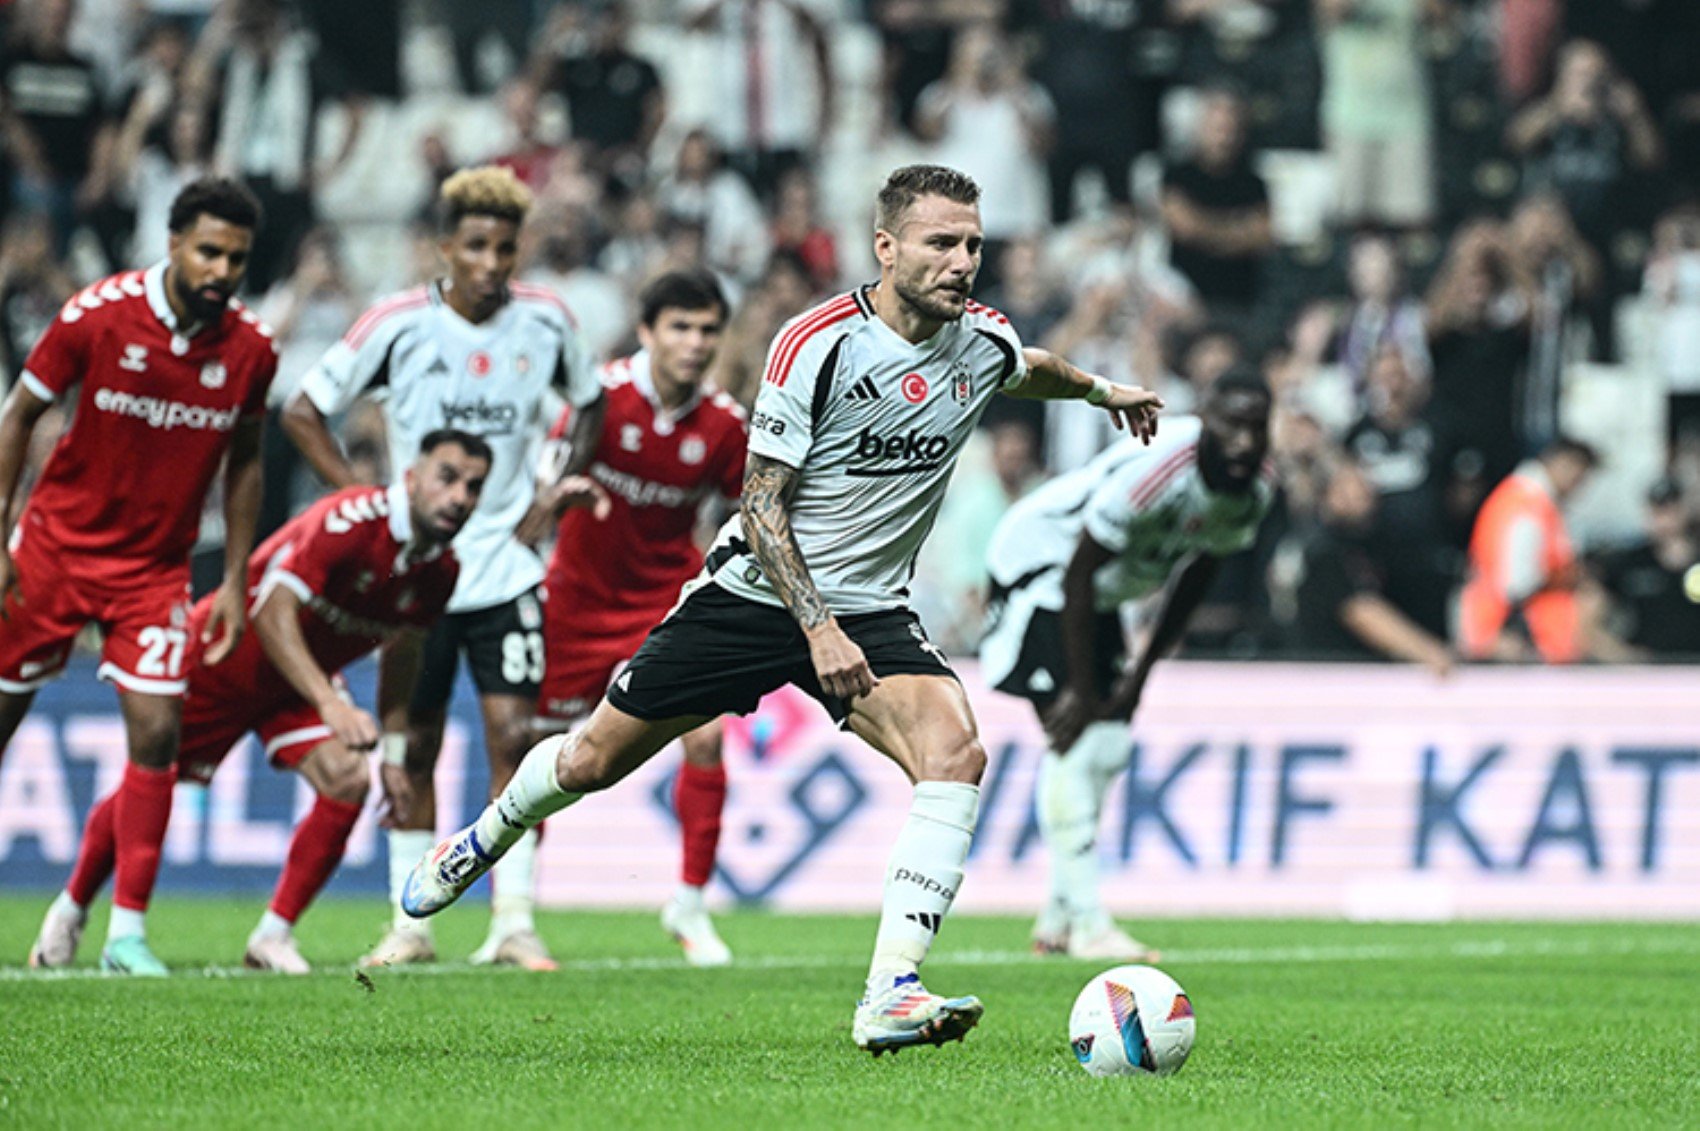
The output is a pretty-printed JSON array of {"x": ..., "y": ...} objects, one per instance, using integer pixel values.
[
  {"x": 1146, "y": 504},
  {"x": 433, "y": 369},
  {"x": 873, "y": 424}
]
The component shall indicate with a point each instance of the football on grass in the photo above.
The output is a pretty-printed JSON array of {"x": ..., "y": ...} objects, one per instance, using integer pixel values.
[{"x": 1132, "y": 1021}]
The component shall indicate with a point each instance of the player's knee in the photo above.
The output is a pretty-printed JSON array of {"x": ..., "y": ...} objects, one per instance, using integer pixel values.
[
  {"x": 153, "y": 742},
  {"x": 512, "y": 741},
  {"x": 961, "y": 761},
  {"x": 348, "y": 781}
]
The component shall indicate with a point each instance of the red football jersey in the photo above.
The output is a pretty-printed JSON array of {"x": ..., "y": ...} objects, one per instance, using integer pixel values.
[
  {"x": 122, "y": 491},
  {"x": 344, "y": 557},
  {"x": 657, "y": 466}
]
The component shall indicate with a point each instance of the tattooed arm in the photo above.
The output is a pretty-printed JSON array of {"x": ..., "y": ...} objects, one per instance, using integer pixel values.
[{"x": 839, "y": 664}]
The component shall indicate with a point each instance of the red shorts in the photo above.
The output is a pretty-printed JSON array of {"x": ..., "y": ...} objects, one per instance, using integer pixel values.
[
  {"x": 586, "y": 648},
  {"x": 213, "y": 726},
  {"x": 145, "y": 626}
]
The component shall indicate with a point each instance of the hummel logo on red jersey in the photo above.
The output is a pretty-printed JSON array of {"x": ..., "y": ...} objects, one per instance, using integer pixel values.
[
  {"x": 135, "y": 359},
  {"x": 863, "y": 390}
]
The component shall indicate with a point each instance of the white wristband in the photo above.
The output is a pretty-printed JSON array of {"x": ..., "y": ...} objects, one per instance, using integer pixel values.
[
  {"x": 1100, "y": 391},
  {"x": 392, "y": 748}
]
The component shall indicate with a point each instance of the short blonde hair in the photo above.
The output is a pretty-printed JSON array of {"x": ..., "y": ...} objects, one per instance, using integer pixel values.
[{"x": 487, "y": 190}]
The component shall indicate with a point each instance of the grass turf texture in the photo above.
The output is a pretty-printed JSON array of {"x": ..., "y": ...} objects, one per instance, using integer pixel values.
[{"x": 1300, "y": 1023}]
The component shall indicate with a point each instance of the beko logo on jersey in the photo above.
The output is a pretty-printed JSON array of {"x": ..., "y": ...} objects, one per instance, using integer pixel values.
[
  {"x": 481, "y": 416},
  {"x": 166, "y": 414},
  {"x": 917, "y": 451}
]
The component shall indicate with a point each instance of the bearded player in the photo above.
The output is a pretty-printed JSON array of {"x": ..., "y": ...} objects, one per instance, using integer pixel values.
[
  {"x": 361, "y": 568},
  {"x": 864, "y": 407},
  {"x": 669, "y": 446},
  {"x": 172, "y": 375},
  {"x": 1063, "y": 562},
  {"x": 479, "y": 352}
]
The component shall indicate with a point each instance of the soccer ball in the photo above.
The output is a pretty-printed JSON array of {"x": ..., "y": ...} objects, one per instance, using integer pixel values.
[{"x": 1131, "y": 1021}]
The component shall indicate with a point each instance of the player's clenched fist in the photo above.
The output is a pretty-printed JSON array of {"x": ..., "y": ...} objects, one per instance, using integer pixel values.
[{"x": 839, "y": 664}]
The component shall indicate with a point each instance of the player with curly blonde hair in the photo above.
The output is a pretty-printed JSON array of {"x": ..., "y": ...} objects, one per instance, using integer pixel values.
[{"x": 476, "y": 351}]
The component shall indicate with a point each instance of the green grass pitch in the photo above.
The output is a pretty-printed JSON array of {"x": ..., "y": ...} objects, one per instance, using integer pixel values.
[{"x": 1300, "y": 1024}]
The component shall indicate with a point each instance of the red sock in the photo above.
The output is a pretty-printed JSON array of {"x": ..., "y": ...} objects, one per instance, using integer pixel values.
[
  {"x": 698, "y": 797},
  {"x": 96, "y": 855},
  {"x": 314, "y": 852},
  {"x": 141, "y": 811}
]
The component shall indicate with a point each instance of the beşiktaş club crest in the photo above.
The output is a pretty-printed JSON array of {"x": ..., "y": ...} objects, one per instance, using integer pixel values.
[
  {"x": 961, "y": 384},
  {"x": 213, "y": 375}
]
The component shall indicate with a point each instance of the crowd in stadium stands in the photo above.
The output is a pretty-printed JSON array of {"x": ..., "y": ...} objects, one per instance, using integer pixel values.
[{"x": 1458, "y": 237}]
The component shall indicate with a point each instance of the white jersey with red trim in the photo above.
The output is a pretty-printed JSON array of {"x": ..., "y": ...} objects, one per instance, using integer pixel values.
[
  {"x": 1148, "y": 505},
  {"x": 873, "y": 424},
  {"x": 433, "y": 369}
]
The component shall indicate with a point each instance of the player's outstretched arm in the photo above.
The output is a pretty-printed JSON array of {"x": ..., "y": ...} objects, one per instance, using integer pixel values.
[
  {"x": 242, "y": 478},
  {"x": 839, "y": 664},
  {"x": 1051, "y": 378},
  {"x": 18, "y": 417},
  {"x": 278, "y": 624}
]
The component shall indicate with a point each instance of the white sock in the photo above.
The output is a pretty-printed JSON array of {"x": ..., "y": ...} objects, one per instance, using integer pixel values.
[
  {"x": 1072, "y": 789},
  {"x": 511, "y": 888},
  {"x": 66, "y": 907},
  {"x": 688, "y": 898},
  {"x": 407, "y": 848},
  {"x": 272, "y": 925},
  {"x": 125, "y": 924},
  {"x": 532, "y": 794},
  {"x": 922, "y": 877}
]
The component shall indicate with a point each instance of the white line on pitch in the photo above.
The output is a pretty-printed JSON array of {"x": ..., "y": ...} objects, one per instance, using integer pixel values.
[{"x": 1236, "y": 956}]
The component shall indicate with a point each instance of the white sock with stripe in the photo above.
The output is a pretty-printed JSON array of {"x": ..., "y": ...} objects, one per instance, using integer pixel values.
[{"x": 922, "y": 877}]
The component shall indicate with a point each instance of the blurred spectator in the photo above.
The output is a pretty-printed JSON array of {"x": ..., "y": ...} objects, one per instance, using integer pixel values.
[
  {"x": 1088, "y": 60},
  {"x": 1673, "y": 285},
  {"x": 1478, "y": 319},
  {"x": 153, "y": 163},
  {"x": 1376, "y": 112},
  {"x": 33, "y": 286},
  {"x": 1523, "y": 571},
  {"x": 915, "y": 36},
  {"x": 561, "y": 259},
  {"x": 988, "y": 119},
  {"x": 308, "y": 312},
  {"x": 702, "y": 191},
  {"x": 1562, "y": 276},
  {"x": 1655, "y": 586},
  {"x": 1343, "y": 610},
  {"x": 1381, "y": 315},
  {"x": 1409, "y": 462},
  {"x": 489, "y": 39},
  {"x": 797, "y": 228},
  {"x": 269, "y": 95},
  {"x": 784, "y": 291},
  {"x": 1027, "y": 290},
  {"x": 1216, "y": 208},
  {"x": 773, "y": 100},
  {"x": 530, "y": 157},
  {"x": 1586, "y": 141},
  {"x": 635, "y": 245},
  {"x": 51, "y": 117},
  {"x": 1099, "y": 335},
  {"x": 1202, "y": 357},
  {"x": 361, "y": 42},
  {"x": 614, "y": 96}
]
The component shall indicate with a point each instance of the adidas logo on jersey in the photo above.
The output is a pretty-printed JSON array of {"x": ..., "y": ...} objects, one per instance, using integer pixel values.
[{"x": 863, "y": 390}]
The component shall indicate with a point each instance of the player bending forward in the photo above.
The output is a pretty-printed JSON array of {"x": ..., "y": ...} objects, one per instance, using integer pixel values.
[
  {"x": 361, "y": 567},
  {"x": 1063, "y": 561},
  {"x": 667, "y": 443},
  {"x": 866, "y": 402},
  {"x": 477, "y": 352},
  {"x": 172, "y": 373}
]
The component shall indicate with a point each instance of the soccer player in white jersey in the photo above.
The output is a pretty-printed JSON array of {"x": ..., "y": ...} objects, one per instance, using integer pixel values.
[
  {"x": 480, "y": 353},
  {"x": 1063, "y": 562},
  {"x": 866, "y": 402}
]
